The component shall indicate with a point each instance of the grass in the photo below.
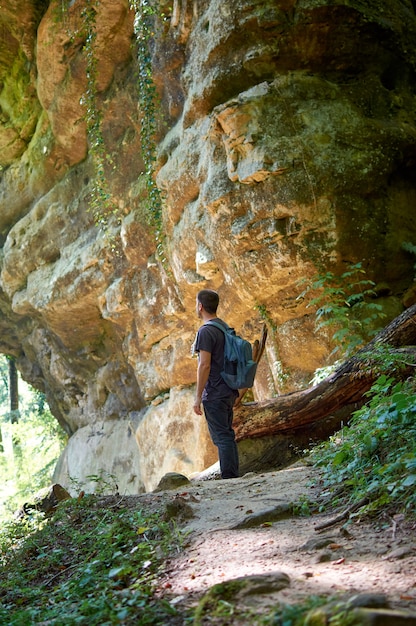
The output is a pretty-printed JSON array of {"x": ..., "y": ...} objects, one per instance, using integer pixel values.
[{"x": 94, "y": 562}]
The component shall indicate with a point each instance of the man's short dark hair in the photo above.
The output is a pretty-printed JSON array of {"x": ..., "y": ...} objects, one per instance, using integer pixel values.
[{"x": 209, "y": 300}]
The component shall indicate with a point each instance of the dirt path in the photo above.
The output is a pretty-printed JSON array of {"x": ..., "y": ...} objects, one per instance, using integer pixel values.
[{"x": 246, "y": 527}]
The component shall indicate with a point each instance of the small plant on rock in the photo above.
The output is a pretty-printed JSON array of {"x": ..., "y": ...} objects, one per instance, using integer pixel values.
[{"x": 345, "y": 306}]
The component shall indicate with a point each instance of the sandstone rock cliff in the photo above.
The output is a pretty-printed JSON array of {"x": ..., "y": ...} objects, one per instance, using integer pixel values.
[{"x": 286, "y": 142}]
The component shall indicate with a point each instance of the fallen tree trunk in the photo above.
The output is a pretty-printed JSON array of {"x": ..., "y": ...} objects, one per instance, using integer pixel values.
[{"x": 317, "y": 412}]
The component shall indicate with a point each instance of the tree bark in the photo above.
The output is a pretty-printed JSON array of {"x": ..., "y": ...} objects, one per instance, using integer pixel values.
[
  {"x": 318, "y": 411},
  {"x": 13, "y": 391}
]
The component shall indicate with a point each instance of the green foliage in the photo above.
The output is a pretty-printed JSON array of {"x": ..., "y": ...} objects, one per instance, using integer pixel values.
[
  {"x": 345, "y": 306},
  {"x": 100, "y": 204},
  {"x": 31, "y": 450},
  {"x": 323, "y": 372},
  {"x": 302, "y": 507},
  {"x": 104, "y": 483},
  {"x": 94, "y": 562},
  {"x": 375, "y": 456},
  {"x": 383, "y": 359},
  {"x": 409, "y": 247},
  {"x": 219, "y": 603},
  {"x": 31, "y": 447},
  {"x": 265, "y": 316},
  {"x": 146, "y": 11},
  {"x": 292, "y": 614}
]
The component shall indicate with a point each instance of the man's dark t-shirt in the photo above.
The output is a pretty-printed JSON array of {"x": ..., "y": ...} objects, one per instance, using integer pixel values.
[{"x": 212, "y": 340}]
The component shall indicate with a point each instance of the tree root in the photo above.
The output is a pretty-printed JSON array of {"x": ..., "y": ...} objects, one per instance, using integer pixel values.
[{"x": 344, "y": 515}]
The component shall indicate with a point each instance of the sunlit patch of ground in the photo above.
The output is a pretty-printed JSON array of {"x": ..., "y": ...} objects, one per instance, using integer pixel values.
[{"x": 376, "y": 557}]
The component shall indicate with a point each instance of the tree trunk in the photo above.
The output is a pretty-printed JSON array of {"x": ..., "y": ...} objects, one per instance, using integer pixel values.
[
  {"x": 317, "y": 412},
  {"x": 13, "y": 391}
]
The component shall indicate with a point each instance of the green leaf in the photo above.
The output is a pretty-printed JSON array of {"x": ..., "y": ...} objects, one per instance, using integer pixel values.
[
  {"x": 116, "y": 572},
  {"x": 409, "y": 481},
  {"x": 340, "y": 457}
]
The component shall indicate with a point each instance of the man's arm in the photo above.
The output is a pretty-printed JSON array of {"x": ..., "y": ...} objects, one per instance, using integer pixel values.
[{"x": 204, "y": 368}]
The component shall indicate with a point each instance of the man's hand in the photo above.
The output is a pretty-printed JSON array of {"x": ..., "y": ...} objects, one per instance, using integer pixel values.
[{"x": 197, "y": 407}]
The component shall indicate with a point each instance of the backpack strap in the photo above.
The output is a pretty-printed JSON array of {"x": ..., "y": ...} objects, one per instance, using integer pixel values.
[{"x": 222, "y": 326}]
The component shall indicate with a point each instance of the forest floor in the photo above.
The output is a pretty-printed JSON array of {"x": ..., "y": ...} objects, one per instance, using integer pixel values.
[{"x": 266, "y": 526}]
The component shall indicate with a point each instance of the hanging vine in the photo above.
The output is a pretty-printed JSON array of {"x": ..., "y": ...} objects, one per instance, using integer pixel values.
[
  {"x": 100, "y": 203},
  {"x": 145, "y": 12}
]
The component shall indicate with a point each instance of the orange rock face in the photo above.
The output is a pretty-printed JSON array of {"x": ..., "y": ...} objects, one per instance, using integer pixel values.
[{"x": 285, "y": 146}]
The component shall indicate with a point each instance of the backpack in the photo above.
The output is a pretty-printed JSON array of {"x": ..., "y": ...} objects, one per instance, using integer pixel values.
[{"x": 239, "y": 367}]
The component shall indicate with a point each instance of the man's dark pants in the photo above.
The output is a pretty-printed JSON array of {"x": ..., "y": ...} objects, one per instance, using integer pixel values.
[{"x": 219, "y": 416}]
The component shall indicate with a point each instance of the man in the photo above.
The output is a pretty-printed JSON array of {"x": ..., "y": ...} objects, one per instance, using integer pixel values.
[{"x": 211, "y": 390}]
